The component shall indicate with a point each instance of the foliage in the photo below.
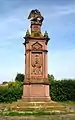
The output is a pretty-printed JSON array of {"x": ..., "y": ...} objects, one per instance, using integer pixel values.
[
  {"x": 5, "y": 82},
  {"x": 10, "y": 93},
  {"x": 63, "y": 90},
  {"x": 51, "y": 78},
  {"x": 19, "y": 77}
]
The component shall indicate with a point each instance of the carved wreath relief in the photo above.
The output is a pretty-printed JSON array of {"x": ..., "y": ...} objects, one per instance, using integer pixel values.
[{"x": 36, "y": 63}]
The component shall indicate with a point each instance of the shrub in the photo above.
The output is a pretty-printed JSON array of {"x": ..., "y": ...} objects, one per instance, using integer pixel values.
[
  {"x": 10, "y": 93},
  {"x": 63, "y": 90}
]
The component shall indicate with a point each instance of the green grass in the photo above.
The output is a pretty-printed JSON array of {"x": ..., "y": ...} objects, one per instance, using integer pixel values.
[
  {"x": 6, "y": 111},
  {"x": 29, "y": 113},
  {"x": 72, "y": 119},
  {"x": 68, "y": 102}
]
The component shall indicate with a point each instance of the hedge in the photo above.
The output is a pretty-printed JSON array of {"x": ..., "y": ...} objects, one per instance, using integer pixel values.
[
  {"x": 61, "y": 90},
  {"x": 10, "y": 93}
]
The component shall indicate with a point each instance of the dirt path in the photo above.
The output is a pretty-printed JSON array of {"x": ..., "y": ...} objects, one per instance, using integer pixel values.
[{"x": 51, "y": 117}]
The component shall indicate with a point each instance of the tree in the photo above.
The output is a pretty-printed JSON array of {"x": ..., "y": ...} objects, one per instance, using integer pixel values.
[
  {"x": 51, "y": 77},
  {"x": 5, "y": 82},
  {"x": 19, "y": 77}
]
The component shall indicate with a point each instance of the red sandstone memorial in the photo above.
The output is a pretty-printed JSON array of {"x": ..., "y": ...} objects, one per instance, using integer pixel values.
[
  {"x": 36, "y": 94},
  {"x": 36, "y": 84}
]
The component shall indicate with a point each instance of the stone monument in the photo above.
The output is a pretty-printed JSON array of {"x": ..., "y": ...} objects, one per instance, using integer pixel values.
[
  {"x": 36, "y": 95},
  {"x": 36, "y": 84}
]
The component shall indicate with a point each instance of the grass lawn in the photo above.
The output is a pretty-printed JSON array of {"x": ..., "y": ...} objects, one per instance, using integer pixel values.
[{"x": 6, "y": 113}]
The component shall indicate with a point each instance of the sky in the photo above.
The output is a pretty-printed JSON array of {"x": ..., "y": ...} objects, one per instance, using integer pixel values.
[{"x": 59, "y": 21}]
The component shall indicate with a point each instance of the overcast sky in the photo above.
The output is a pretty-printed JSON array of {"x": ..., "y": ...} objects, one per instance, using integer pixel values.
[{"x": 59, "y": 21}]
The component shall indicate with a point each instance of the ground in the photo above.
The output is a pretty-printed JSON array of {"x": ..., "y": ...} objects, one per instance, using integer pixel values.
[
  {"x": 51, "y": 117},
  {"x": 7, "y": 114}
]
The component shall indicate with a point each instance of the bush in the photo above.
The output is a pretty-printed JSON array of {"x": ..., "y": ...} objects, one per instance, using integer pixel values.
[
  {"x": 10, "y": 93},
  {"x": 63, "y": 90}
]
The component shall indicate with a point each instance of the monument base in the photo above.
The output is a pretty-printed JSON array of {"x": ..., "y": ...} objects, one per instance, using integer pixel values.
[
  {"x": 21, "y": 105},
  {"x": 36, "y": 92}
]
